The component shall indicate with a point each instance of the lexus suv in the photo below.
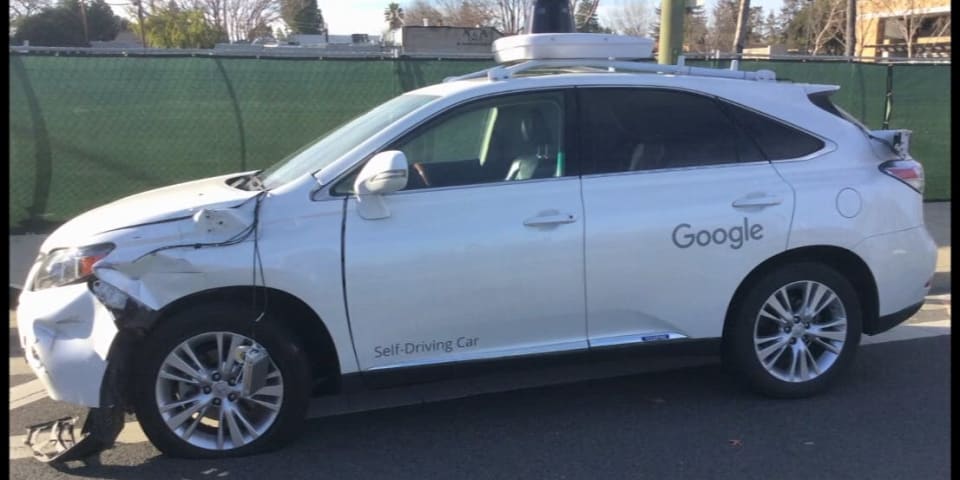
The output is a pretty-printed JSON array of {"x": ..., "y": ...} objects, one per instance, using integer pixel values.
[{"x": 536, "y": 208}]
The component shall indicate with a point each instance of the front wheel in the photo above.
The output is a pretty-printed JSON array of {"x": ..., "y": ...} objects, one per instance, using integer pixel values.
[
  {"x": 794, "y": 331},
  {"x": 189, "y": 392}
]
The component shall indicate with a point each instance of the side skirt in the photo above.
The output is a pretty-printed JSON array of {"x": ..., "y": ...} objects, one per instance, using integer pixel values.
[{"x": 387, "y": 378}]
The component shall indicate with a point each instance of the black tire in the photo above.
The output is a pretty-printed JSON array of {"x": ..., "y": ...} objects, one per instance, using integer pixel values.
[
  {"x": 743, "y": 359},
  {"x": 283, "y": 348}
]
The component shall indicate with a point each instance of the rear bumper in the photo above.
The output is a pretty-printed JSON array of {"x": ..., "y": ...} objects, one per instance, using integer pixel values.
[
  {"x": 886, "y": 322},
  {"x": 903, "y": 264}
]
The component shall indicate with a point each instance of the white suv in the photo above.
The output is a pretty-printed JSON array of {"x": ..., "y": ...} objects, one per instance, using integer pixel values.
[{"x": 543, "y": 208}]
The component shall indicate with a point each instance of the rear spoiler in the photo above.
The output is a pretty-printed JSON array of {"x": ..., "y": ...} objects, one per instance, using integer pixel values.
[{"x": 897, "y": 140}]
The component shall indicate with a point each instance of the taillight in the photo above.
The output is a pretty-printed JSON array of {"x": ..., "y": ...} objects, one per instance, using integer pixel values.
[{"x": 907, "y": 171}]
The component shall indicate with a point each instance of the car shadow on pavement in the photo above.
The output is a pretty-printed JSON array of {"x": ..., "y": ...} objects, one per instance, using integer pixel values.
[{"x": 691, "y": 423}]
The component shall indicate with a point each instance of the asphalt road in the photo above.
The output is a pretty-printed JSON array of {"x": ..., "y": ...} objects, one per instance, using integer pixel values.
[{"x": 889, "y": 419}]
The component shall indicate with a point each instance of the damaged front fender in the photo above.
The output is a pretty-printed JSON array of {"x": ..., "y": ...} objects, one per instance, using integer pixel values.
[{"x": 156, "y": 274}]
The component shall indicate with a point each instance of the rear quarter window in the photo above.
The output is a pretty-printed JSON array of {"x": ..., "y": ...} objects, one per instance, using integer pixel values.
[
  {"x": 775, "y": 139},
  {"x": 823, "y": 101}
]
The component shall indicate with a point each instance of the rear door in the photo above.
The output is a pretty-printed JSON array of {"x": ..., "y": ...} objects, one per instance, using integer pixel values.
[{"x": 679, "y": 206}]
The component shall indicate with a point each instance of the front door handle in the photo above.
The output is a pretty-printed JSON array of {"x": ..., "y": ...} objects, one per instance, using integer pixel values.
[
  {"x": 757, "y": 200},
  {"x": 553, "y": 219}
]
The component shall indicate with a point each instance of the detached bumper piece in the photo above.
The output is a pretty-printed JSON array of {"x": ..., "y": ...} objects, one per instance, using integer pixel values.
[{"x": 57, "y": 441}]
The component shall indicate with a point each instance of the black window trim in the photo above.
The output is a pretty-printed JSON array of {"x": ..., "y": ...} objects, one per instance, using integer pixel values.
[
  {"x": 571, "y": 157},
  {"x": 588, "y": 167},
  {"x": 827, "y": 143}
]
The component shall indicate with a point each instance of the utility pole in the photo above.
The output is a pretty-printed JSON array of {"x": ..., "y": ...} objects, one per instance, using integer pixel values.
[
  {"x": 851, "y": 33},
  {"x": 740, "y": 36},
  {"x": 83, "y": 16},
  {"x": 671, "y": 30}
]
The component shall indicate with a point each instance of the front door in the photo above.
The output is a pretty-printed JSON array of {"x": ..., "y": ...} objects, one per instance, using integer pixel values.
[{"x": 481, "y": 255}]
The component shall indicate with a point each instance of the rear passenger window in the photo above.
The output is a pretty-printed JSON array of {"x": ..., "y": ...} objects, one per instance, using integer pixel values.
[
  {"x": 776, "y": 140},
  {"x": 631, "y": 129}
]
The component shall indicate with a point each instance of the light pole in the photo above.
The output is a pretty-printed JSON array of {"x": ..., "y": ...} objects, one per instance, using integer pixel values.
[
  {"x": 83, "y": 17},
  {"x": 671, "y": 30}
]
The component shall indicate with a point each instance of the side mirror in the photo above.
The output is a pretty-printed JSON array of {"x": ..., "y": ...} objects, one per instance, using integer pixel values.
[{"x": 385, "y": 173}]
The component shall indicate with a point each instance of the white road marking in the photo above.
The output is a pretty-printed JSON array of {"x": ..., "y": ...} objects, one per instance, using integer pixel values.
[
  {"x": 18, "y": 366},
  {"x": 909, "y": 332},
  {"x": 26, "y": 393},
  {"x": 130, "y": 434}
]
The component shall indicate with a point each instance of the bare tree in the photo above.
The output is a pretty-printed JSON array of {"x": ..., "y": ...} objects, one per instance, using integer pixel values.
[
  {"x": 243, "y": 16},
  {"x": 632, "y": 17},
  {"x": 25, "y": 8},
  {"x": 420, "y": 10},
  {"x": 826, "y": 23},
  {"x": 236, "y": 18},
  {"x": 213, "y": 10},
  {"x": 467, "y": 13},
  {"x": 906, "y": 19},
  {"x": 510, "y": 16}
]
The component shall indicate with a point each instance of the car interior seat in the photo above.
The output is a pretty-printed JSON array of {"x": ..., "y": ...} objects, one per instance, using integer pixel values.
[
  {"x": 535, "y": 160},
  {"x": 648, "y": 156}
]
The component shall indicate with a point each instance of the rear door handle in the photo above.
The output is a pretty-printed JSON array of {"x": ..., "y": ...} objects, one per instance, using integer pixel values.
[
  {"x": 554, "y": 219},
  {"x": 757, "y": 200}
]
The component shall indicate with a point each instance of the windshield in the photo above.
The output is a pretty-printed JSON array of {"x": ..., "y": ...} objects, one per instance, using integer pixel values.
[{"x": 322, "y": 152}]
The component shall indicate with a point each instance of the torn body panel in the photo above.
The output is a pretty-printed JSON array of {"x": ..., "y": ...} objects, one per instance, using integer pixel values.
[
  {"x": 66, "y": 336},
  {"x": 59, "y": 442},
  {"x": 158, "y": 276},
  {"x": 170, "y": 245}
]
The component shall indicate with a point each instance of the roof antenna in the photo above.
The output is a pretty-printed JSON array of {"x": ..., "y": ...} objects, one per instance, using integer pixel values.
[{"x": 550, "y": 16}]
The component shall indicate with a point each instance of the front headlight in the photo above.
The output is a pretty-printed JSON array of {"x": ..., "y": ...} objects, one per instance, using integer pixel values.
[{"x": 68, "y": 265}]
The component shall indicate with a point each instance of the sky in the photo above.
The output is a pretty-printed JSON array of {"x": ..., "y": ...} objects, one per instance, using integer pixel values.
[{"x": 366, "y": 16}]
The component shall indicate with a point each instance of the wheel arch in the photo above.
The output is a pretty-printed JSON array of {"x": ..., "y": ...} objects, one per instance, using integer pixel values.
[
  {"x": 289, "y": 310},
  {"x": 844, "y": 261}
]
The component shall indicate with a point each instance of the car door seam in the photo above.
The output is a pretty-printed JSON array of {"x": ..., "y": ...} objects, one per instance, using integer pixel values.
[{"x": 343, "y": 278}]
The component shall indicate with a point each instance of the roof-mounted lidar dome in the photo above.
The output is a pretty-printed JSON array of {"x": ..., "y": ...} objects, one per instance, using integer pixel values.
[{"x": 550, "y": 16}]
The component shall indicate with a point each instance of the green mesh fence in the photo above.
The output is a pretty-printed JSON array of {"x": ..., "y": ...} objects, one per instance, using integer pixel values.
[
  {"x": 921, "y": 102},
  {"x": 88, "y": 130}
]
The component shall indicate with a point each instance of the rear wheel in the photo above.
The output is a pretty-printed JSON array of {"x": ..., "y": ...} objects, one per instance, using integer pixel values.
[
  {"x": 794, "y": 331},
  {"x": 189, "y": 392}
]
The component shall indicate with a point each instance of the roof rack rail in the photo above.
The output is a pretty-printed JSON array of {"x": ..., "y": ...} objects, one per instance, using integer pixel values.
[{"x": 504, "y": 72}]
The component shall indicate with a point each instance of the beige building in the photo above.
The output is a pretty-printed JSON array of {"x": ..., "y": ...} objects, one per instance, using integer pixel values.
[
  {"x": 903, "y": 28},
  {"x": 443, "y": 40}
]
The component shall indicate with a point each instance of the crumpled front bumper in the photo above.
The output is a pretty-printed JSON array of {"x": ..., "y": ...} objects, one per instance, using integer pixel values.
[
  {"x": 70, "y": 337},
  {"x": 66, "y": 334}
]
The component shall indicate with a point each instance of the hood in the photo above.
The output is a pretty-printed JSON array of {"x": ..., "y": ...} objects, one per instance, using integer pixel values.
[{"x": 176, "y": 201}]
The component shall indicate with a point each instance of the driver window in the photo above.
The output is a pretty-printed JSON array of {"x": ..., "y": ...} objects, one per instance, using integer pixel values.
[
  {"x": 512, "y": 138},
  {"x": 509, "y": 138}
]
